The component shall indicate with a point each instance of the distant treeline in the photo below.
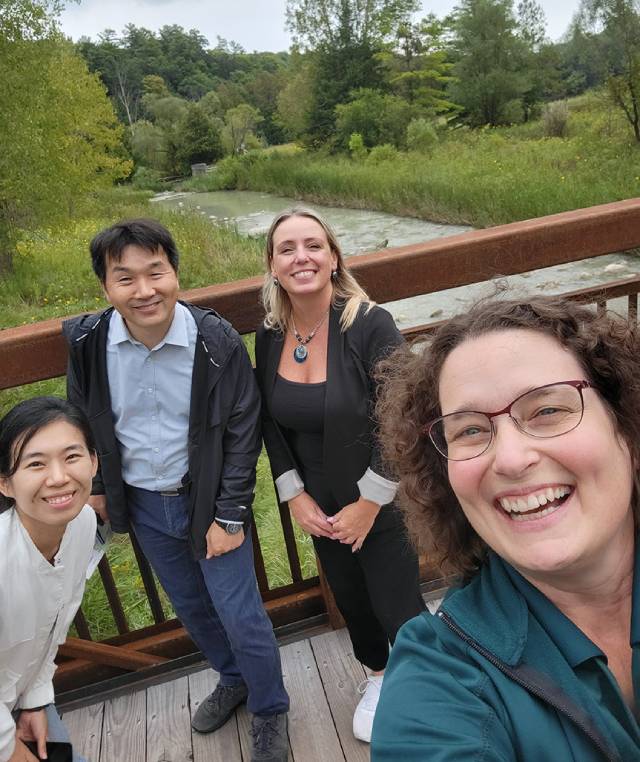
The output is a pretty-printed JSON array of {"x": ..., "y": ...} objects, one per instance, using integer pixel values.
[{"x": 359, "y": 75}]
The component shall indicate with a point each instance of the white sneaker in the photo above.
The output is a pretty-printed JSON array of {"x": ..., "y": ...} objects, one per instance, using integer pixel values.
[{"x": 366, "y": 709}]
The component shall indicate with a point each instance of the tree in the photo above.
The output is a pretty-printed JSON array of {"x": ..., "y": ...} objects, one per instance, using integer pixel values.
[
  {"x": 418, "y": 65},
  {"x": 59, "y": 134},
  {"x": 583, "y": 59},
  {"x": 620, "y": 21},
  {"x": 345, "y": 36},
  {"x": 378, "y": 117},
  {"x": 490, "y": 62},
  {"x": 149, "y": 145},
  {"x": 197, "y": 139},
  {"x": 315, "y": 23},
  {"x": 541, "y": 60},
  {"x": 239, "y": 128},
  {"x": 295, "y": 100},
  {"x": 532, "y": 23}
]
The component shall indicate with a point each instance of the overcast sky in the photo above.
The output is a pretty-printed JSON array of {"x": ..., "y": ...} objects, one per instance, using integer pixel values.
[{"x": 255, "y": 24}]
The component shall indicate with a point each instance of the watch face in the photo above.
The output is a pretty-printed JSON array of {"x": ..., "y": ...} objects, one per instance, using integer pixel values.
[{"x": 231, "y": 528}]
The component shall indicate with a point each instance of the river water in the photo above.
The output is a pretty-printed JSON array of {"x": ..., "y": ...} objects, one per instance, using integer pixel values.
[{"x": 360, "y": 230}]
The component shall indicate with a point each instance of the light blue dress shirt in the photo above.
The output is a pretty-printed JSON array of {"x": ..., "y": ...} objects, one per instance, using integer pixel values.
[{"x": 150, "y": 398}]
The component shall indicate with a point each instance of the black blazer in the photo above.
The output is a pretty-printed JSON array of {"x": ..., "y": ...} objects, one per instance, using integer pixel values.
[{"x": 349, "y": 446}]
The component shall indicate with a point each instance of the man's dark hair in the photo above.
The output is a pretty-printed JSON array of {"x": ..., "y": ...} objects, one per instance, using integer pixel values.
[{"x": 148, "y": 234}]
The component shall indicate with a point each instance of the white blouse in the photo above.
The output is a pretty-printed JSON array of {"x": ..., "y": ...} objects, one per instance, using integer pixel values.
[{"x": 38, "y": 601}]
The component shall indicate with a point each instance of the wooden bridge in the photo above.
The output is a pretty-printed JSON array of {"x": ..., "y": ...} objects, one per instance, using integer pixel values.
[{"x": 130, "y": 697}]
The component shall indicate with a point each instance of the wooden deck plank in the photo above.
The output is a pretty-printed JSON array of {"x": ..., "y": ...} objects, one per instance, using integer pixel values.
[
  {"x": 224, "y": 743},
  {"x": 168, "y": 722},
  {"x": 85, "y": 730},
  {"x": 124, "y": 730},
  {"x": 341, "y": 674},
  {"x": 312, "y": 733}
]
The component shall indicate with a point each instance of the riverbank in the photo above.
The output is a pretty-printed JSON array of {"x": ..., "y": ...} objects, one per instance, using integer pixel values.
[
  {"x": 52, "y": 274},
  {"x": 480, "y": 178}
]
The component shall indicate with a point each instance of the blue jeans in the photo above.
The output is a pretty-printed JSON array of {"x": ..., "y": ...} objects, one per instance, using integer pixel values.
[{"x": 216, "y": 599}]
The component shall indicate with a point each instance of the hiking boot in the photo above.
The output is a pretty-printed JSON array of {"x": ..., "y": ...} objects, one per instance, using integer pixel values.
[
  {"x": 366, "y": 709},
  {"x": 217, "y": 708},
  {"x": 269, "y": 741}
]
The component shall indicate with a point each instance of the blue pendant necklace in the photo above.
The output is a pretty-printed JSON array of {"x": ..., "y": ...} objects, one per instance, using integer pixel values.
[{"x": 300, "y": 353}]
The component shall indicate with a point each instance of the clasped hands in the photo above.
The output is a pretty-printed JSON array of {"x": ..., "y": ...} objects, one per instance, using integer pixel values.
[{"x": 350, "y": 526}]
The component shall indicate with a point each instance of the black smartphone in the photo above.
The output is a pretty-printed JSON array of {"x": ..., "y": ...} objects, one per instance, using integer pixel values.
[{"x": 57, "y": 751}]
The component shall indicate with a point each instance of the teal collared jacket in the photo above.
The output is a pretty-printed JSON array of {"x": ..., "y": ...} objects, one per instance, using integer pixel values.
[{"x": 500, "y": 675}]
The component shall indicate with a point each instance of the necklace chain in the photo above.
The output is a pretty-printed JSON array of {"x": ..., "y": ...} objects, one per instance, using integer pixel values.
[
  {"x": 300, "y": 353},
  {"x": 305, "y": 340}
]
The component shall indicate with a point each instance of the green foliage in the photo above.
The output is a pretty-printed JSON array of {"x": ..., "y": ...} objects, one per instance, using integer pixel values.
[
  {"x": 382, "y": 153},
  {"x": 621, "y": 22},
  {"x": 357, "y": 148},
  {"x": 323, "y": 23},
  {"x": 238, "y": 133},
  {"x": 421, "y": 136},
  {"x": 59, "y": 136},
  {"x": 148, "y": 145},
  {"x": 345, "y": 38},
  {"x": 378, "y": 117},
  {"x": 197, "y": 139},
  {"x": 338, "y": 72},
  {"x": 418, "y": 65},
  {"x": 145, "y": 178},
  {"x": 295, "y": 101},
  {"x": 490, "y": 61}
]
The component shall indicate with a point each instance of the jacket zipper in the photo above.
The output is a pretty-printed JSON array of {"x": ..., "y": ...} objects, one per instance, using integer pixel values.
[{"x": 532, "y": 688}]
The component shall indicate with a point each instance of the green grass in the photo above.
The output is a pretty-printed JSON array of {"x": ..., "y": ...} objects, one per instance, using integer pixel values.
[{"x": 477, "y": 177}]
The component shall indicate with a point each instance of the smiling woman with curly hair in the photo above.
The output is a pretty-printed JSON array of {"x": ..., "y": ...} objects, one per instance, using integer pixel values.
[{"x": 515, "y": 434}]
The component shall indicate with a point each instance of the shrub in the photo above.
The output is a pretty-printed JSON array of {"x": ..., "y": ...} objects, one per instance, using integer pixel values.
[
  {"x": 145, "y": 178},
  {"x": 555, "y": 119},
  {"x": 356, "y": 147},
  {"x": 421, "y": 136},
  {"x": 385, "y": 152}
]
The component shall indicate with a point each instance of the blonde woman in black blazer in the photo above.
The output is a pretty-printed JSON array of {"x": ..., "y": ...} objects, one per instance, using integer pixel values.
[{"x": 315, "y": 353}]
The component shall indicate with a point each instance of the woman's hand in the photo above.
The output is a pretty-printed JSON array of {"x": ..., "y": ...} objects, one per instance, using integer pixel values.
[
  {"x": 33, "y": 726},
  {"x": 309, "y": 516},
  {"x": 21, "y": 753},
  {"x": 353, "y": 523}
]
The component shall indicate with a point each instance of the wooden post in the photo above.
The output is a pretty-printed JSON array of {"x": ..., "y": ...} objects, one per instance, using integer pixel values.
[{"x": 336, "y": 619}]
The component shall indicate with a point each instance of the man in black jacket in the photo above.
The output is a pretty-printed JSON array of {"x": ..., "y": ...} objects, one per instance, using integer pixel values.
[{"x": 174, "y": 408}]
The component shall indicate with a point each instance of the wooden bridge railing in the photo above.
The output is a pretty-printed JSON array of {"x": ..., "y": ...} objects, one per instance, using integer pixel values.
[{"x": 37, "y": 352}]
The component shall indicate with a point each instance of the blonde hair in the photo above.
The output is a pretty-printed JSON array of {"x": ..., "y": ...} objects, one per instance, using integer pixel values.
[{"x": 347, "y": 291}]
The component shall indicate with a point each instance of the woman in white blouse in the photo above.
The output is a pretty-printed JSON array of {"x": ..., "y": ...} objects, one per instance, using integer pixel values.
[{"x": 47, "y": 531}]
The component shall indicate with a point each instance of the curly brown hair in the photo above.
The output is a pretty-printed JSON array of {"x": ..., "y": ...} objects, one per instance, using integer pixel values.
[{"x": 608, "y": 350}]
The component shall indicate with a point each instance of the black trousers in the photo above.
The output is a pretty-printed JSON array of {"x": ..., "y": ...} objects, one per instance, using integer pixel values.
[{"x": 376, "y": 589}]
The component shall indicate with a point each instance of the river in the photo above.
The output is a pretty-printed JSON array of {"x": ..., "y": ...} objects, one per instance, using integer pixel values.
[{"x": 361, "y": 230}]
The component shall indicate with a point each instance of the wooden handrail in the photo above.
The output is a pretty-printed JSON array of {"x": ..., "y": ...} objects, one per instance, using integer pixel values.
[{"x": 37, "y": 351}]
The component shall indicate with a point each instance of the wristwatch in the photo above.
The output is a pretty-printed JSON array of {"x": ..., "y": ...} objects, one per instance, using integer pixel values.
[{"x": 229, "y": 528}]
